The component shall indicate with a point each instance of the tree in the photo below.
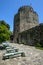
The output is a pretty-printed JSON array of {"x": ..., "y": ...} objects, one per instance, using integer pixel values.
[
  {"x": 4, "y": 23},
  {"x": 4, "y": 31}
]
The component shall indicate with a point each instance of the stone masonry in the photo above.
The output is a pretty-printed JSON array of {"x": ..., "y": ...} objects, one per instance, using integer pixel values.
[{"x": 26, "y": 24}]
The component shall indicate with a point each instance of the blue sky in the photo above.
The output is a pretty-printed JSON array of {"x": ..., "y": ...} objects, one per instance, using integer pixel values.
[{"x": 8, "y": 8}]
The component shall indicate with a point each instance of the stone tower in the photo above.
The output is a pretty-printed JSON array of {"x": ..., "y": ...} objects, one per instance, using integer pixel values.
[{"x": 25, "y": 19}]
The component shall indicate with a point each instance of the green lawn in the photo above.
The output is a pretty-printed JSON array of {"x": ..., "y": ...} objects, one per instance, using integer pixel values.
[{"x": 41, "y": 48}]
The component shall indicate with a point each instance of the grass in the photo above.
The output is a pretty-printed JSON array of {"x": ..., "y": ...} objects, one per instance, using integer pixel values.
[{"x": 41, "y": 48}]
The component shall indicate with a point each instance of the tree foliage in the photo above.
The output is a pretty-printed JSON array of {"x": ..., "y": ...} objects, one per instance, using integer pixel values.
[
  {"x": 4, "y": 23},
  {"x": 4, "y": 31}
]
